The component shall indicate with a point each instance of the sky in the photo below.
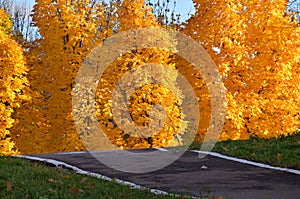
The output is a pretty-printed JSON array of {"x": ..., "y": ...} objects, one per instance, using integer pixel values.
[{"x": 184, "y": 7}]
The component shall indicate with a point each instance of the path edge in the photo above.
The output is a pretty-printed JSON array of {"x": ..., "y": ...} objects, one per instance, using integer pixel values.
[
  {"x": 244, "y": 161},
  {"x": 92, "y": 174}
]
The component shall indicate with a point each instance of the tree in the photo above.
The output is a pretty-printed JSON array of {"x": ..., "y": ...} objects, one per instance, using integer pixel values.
[
  {"x": 256, "y": 47},
  {"x": 165, "y": 13},
  {"x": 134, "y": 15},
  {"x": 12, "y": 80},
  {"x": 20, "y": 14},
  {"x": 6, "y": 5},
  {"x": 247, "y": 40},
  {"x": 68, "y": 29},
  {"x": 294, "y": 7}
]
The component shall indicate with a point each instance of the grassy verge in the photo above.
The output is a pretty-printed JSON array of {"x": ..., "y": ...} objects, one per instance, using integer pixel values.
[
  {"x": 20, "y": 178},
  {"x": 283, "y": 151}
]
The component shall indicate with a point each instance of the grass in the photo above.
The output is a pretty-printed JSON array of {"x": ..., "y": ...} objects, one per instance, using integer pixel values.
[
  {"x": 283, "y": 151},
  {"x": 20, "y": 178}
]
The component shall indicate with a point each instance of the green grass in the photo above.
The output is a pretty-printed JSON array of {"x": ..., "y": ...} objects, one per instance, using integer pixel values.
[
  {"x": 20, "y": 178},
  {"x": 283, "y": 151}
]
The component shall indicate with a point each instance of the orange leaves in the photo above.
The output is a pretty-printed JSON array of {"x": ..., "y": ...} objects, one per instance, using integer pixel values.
[
  {"x": 68, "y": 33},
  {"x": 5, "y": 23},
  {"x": 12, "y": 82},
  {"x": 256, "y": 48},
  {"x": 135, "y": 14},
  {"x": 140, "y": 103},
  {"x": 69, "y": 30},
  {"x": 9, "y": 186},
  {"x": 259, "y": 59}
]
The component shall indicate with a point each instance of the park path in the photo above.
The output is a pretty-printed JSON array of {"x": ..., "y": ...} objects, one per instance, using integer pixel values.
[{"x": 211, "y": 175}]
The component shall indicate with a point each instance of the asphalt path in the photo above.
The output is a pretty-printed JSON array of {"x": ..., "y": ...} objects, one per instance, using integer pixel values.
[{"x": 191, "y": 175}]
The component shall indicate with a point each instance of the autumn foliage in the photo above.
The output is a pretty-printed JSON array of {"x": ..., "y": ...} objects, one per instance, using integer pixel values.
[
  {"x": 259, "y": 60},
  {"x": 68, "y": 31},
  {"x": 255, "y": 45},
  {"x": 13, "y": 82},
  {"x": 133, "y": 15}
]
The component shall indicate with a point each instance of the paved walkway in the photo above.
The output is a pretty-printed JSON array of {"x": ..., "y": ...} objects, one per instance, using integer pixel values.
[{"x": 196, "y": 176}]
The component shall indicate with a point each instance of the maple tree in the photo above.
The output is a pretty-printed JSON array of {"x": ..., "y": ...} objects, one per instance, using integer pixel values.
[
  {"x": 12, "y": 80},
  {"x": 68, "y": 29},
  {"x": 256, "y": 47},
  {"x": 133, "y": 15},
  {"x": 254, "y": 44},
  {"x": 19, "y": 13}
]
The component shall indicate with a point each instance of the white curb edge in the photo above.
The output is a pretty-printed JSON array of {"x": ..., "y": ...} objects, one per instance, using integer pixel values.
[
  {"x": 155, "y": 191},
  {"x": 294, "y": 171},
  {"x": 102, "y": 151},
  {"x": 80, "y": 171}
]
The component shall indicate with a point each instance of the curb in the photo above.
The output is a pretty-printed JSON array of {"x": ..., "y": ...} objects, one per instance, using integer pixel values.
[
  {"x": 266, "y": 166},
  {"x": 139, "y": 187},
  {"x": 99, "y": 176}
]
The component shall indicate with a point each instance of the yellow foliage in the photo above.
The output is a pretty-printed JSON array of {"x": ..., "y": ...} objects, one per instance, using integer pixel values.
[
  {"x": 69, "y": 29},
  {"x": 12, "y": 83},
  {"x": 258, "y": 58},
  {"x": 140, "y": 102},
  {"x": 259, "y": 61},
  {"x": 5, "y": 22},
  {"x": 135, "y": 14}
]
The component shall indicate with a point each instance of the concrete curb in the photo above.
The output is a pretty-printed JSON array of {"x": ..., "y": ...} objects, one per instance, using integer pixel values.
[
  {"x": 294, "y": 171},
  {"x": 80, "y": 171}
]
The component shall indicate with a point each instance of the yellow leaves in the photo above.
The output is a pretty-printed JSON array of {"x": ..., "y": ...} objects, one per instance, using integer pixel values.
[
  {"x": 83, "y": 180},
  {"x": 7, "y": 146},
  {"x": 13, "y": 81},
  {"x": 69, "y": 30},
  {"x": 5, "y": 22},
  {"x": 259, "y": 59},
  {"x": 135, "y": 14},
  {"x": 9, "y": 186},
  {"x": 55, "y": 181},
  {"x": 140, "y": 103},
  {"x": 75, "y": 189}
]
